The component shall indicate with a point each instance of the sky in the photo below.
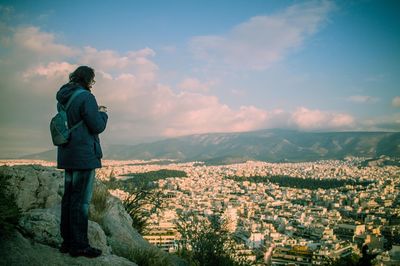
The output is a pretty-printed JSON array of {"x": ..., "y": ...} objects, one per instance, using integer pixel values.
[{"x": 170, "y": 68}]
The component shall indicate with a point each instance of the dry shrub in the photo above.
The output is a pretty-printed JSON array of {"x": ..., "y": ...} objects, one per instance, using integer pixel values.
[{"x": 98, "y": 206}]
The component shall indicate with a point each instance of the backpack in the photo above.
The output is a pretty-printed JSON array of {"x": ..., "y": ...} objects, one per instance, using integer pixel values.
[{"x": 60, "y": 132}]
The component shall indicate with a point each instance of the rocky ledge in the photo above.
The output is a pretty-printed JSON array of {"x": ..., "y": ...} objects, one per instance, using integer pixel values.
[{"x": 38, "y": 191}]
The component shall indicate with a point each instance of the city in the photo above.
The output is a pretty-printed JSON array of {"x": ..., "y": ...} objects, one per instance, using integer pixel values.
[{"x": 289, "y": 224}]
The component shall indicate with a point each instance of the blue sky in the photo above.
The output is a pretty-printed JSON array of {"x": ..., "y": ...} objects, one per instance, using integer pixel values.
[{"x": 171, "y": 68}]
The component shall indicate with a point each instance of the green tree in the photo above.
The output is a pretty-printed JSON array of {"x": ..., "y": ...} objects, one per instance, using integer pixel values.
[
  {"x": 206, "y": 241},
  {"x": 144, "y": 196},
  {"x": 141, "y": 203}
]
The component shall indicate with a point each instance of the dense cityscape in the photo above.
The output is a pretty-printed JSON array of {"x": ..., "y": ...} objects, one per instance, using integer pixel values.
[{"x": 288, "y": 225}]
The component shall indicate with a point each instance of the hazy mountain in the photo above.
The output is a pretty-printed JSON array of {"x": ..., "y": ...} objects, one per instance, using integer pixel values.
[{"x": 266, "y": 145}]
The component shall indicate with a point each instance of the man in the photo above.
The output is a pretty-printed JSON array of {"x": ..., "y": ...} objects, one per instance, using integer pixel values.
[
  {"x": 79, "y": 157},
  {"x": 367, "y": 257}
]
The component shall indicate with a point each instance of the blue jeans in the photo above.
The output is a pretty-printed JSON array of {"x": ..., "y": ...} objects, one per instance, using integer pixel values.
[{"x": 75, "y": 202}]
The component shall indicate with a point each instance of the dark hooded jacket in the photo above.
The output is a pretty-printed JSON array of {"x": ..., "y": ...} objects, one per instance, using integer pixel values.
[{"x": 83, "y": 150}]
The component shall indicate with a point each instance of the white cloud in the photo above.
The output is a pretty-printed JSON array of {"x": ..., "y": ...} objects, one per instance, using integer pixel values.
[
  {"x": 305, "y": 118},
  {"x": 50, "y": 70},
  {"x": 386, "y": 123},
  {"x": 362, "y": 99},
  {"x": 196, "y": 113},
  {"x": 195, "y": 85},
  {"x": 264, "y": 40},
  {"x": 396, "y": 102},
  {"x": 41, "y": 43},
  {"x": 112, "y": 61},
  {"x": 156, "y": 110}
]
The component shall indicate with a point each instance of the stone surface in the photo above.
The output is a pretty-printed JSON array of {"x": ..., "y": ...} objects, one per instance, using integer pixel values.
[
  {"x": 43, "y": 226},
  {"x": 34, "y": 186},
  {"x": 17, "y": 250},
  {"x": 38, "y": 192},
  {"x": 97, "y": 237},
  {"x": 117, "y": 225}
]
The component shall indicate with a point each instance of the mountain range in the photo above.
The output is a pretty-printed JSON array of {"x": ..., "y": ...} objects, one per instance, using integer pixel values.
[{"x": 274, "y": 145}]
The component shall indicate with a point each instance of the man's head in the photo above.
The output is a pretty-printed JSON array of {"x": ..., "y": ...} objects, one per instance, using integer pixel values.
[
  {"x": 364, "y": 249},
  {"x": 84, "y": 76}
]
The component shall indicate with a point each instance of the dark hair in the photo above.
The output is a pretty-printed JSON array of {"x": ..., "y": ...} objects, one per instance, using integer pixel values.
[{"x": 83, "y": 75}]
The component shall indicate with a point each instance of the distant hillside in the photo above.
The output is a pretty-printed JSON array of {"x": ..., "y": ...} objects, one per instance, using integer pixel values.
[
  {"x": 50, "y": 155},
  {"x": 273, "y": 145}
]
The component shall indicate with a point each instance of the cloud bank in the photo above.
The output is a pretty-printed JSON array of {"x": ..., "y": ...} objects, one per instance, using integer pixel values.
[{"x": 139, "y": 105}]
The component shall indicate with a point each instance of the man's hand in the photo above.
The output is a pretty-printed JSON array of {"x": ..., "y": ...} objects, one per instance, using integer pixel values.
[{"x": 102, "y": 109}]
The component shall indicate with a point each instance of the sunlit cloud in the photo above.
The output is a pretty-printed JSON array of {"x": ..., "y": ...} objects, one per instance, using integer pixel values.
[
  {"x": 50, "y": 70},
  {"x": 110, "y": 60},
  {"x": 41, "y": 43},
  {"x": 203, "y": 114},
  {"x": 309, "y": 119}
]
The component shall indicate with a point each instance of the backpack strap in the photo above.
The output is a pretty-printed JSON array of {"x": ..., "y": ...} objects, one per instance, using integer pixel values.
[
  {"x": 76, "y": 93},
  {"x": 76, "y": 125}
]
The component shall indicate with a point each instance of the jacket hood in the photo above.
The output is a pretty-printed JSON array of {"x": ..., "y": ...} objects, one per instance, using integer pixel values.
[{"x": 66, "y": 91}]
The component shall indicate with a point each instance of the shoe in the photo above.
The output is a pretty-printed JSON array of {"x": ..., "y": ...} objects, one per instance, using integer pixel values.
[
  {"x": 88, "y": 252},
  {"x": 64, "y": 248}
]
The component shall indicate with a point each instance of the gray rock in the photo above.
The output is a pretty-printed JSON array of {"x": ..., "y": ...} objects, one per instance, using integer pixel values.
[
  {"x": 97, "y": 238},
  {"x": 17, "y": 250},
  {"x": 124, "y": 239},
  {"x": 43, "y": 226},
  {"x": 38, "y": 191},
  {"x": 34, "y": 186},
  {"x": 117, "y": 225}
]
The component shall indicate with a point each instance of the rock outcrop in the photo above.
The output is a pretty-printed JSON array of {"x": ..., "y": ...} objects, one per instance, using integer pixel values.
[
  {"x": 117, "y": 225},
  {"x": 20, "y": 250},
  {"x": 42, "y": 226},
  {"x": 35, "y": 186},
  {"x": 38, "y": 191}
]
